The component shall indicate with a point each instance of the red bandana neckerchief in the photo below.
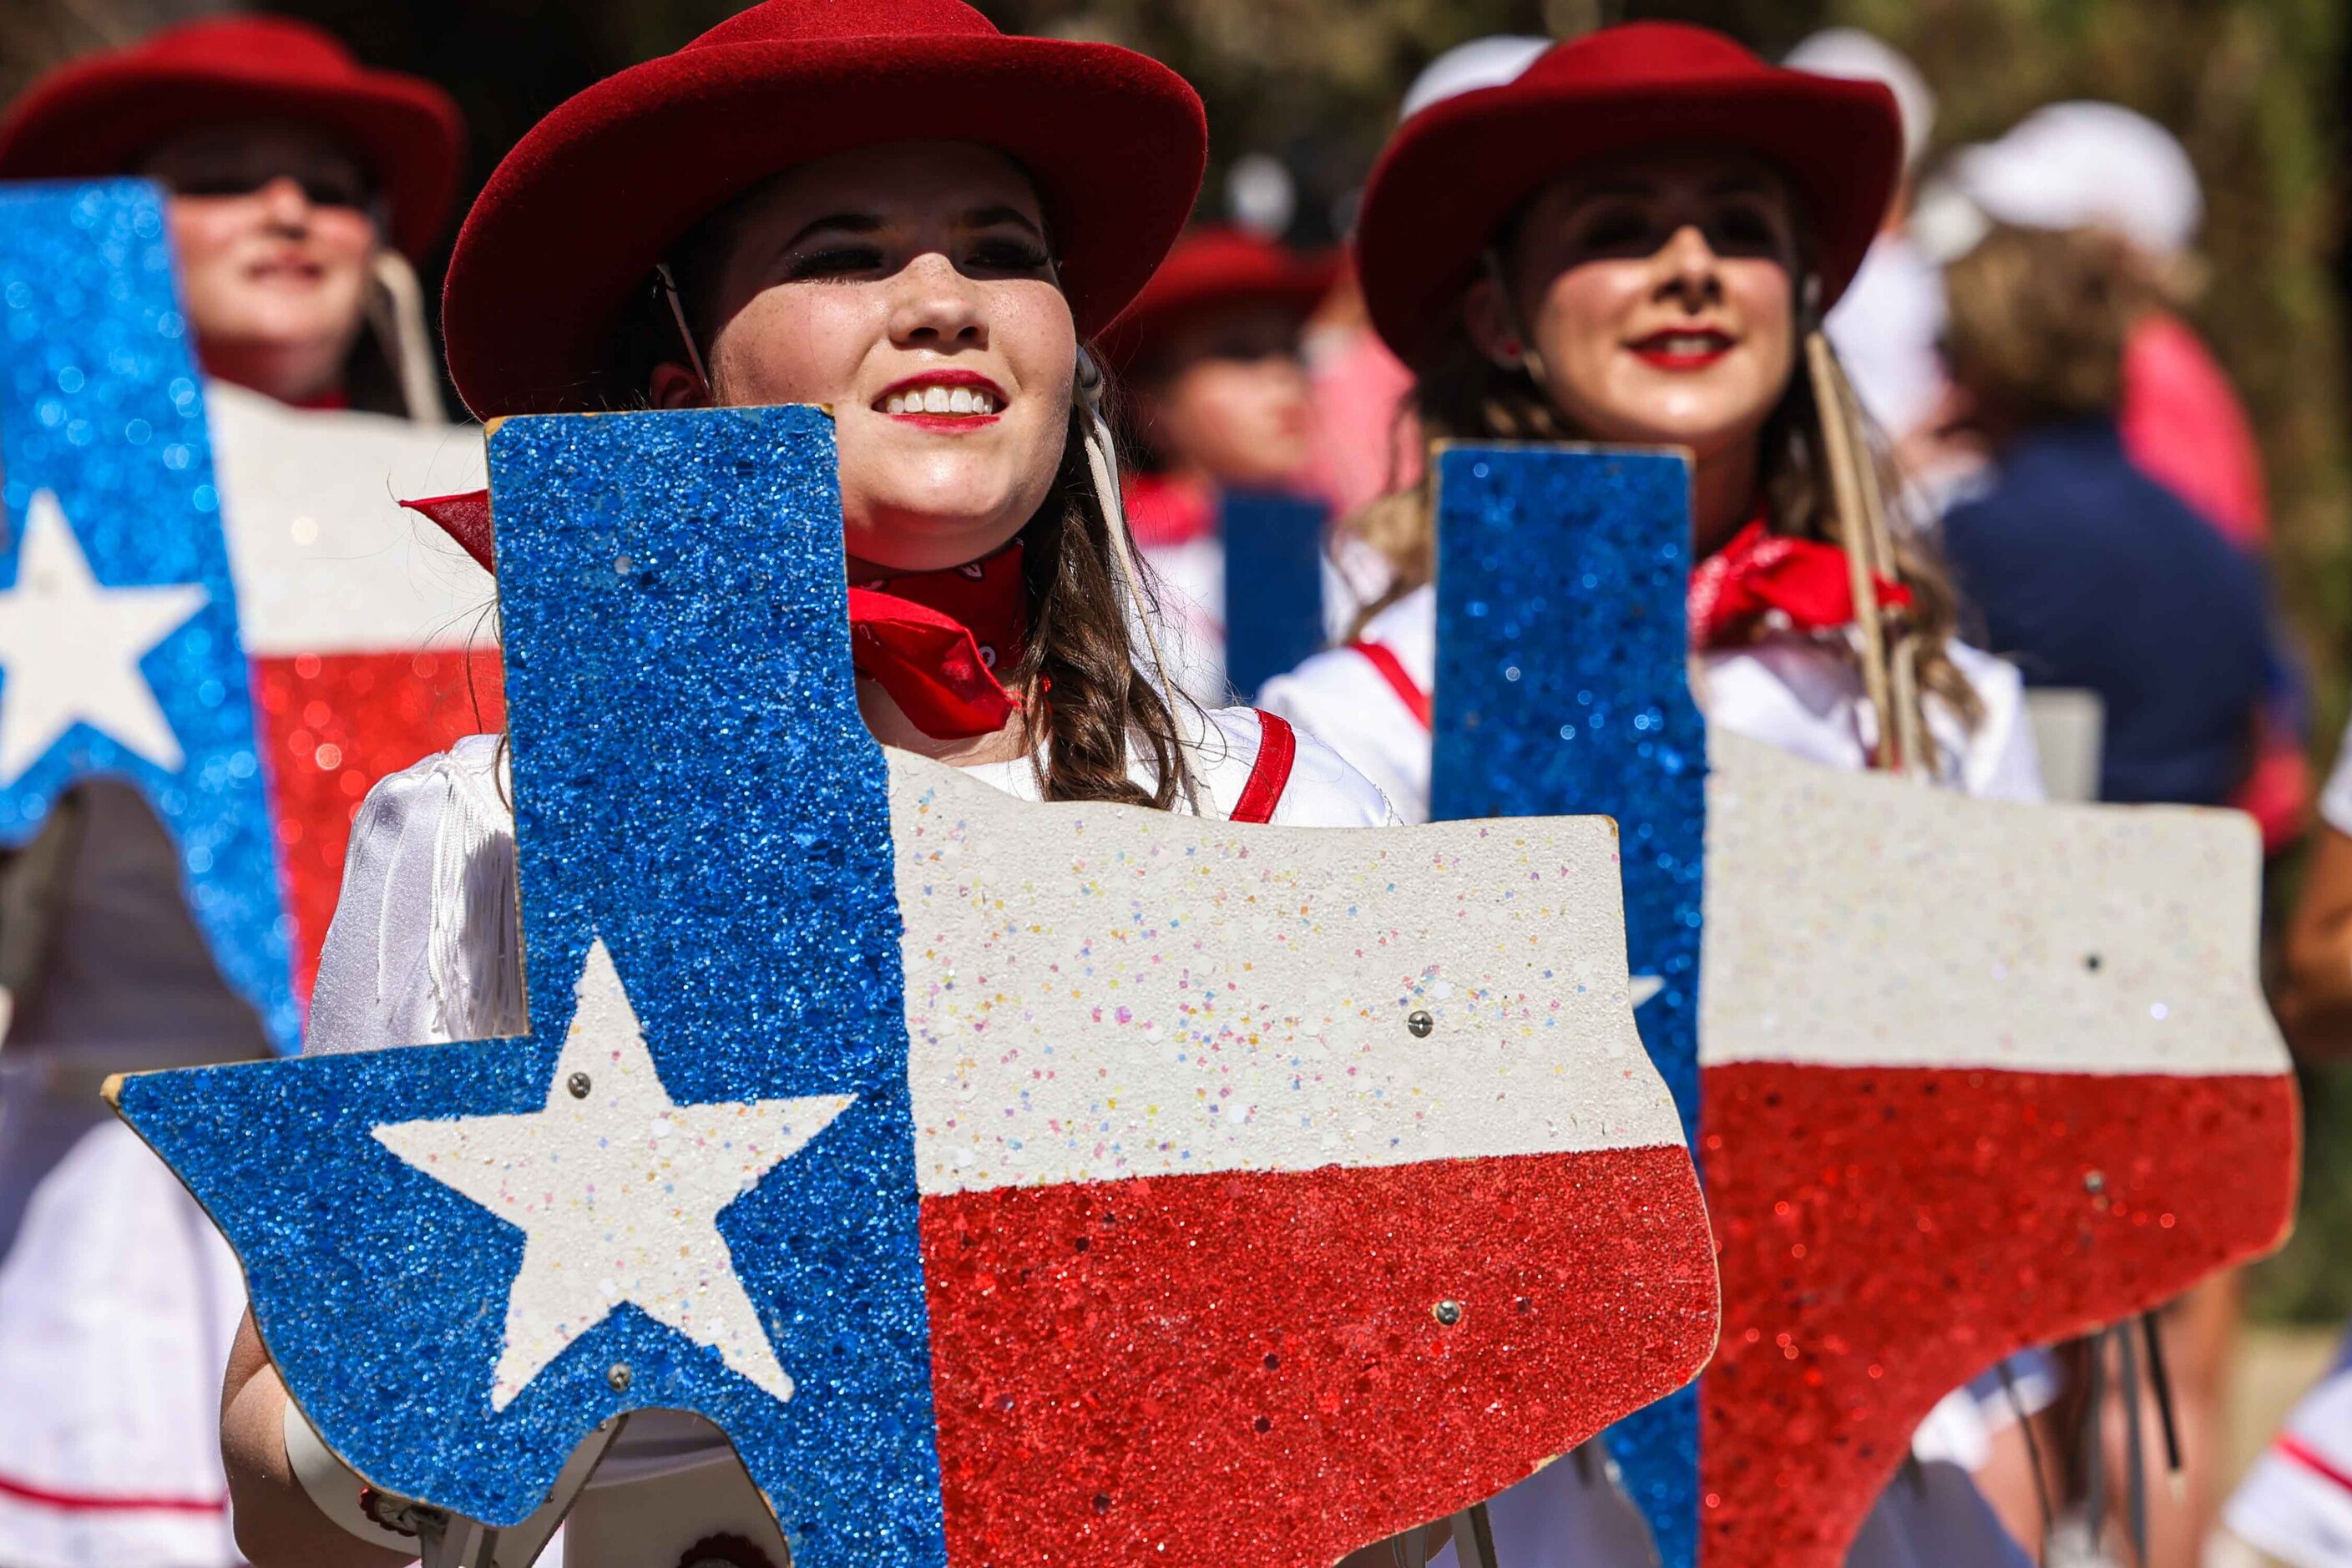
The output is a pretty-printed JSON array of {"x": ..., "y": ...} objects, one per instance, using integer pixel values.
[
  {"x": 1759, "y": 572},
  {"x": 933, "y": 639}
]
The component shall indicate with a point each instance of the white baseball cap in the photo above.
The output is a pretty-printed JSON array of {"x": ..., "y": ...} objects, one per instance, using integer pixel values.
[
  {"x": 1465, "y": 67},
  {"x": 2082, "y": 164},
  {"x": 1857, "y": 56}
]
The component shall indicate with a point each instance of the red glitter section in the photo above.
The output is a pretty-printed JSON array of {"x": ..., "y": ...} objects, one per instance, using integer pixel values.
[
  {"x": 1887, "y": 1234},
  {"x": 332, "y": 724},
  {"x": 1216, "y": 1369}
]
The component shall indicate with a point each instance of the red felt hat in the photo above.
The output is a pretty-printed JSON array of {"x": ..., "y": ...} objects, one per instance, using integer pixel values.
[
  {"x": 1455, "y": 171},
  {"x": 100, "y": 115},
  {"x": 1211, "y": 270},
  {"x": 572, "y": 223}
]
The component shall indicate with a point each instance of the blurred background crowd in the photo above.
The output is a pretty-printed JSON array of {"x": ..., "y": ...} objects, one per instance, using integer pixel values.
[{"x": 2104, "y": 330}]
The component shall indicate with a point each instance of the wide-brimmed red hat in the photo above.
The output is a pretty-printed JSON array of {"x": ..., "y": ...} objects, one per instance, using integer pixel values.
[
  {"x": 1215, "y": 270},
  {"x": 1453, "y": 171},
  {"x": 100, "y": 115},
  {"x": 572, "y": 223}
]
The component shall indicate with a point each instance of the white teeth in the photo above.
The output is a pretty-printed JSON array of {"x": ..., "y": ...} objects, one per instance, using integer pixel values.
[{"x": 963, "y": 400}]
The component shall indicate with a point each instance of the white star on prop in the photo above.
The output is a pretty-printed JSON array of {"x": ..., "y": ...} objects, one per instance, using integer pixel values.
[
  {"x": 1646, "y": 986},
  {"x": 70, "y": 649},
  {"x": 617, "y": 1191}
]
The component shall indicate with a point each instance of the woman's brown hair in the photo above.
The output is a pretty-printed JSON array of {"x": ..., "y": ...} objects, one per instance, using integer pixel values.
[
  {"x": 2038, "y": 321},
  {"x": 1092, "y": 704},
  {"x": 1460, "y": 394}
]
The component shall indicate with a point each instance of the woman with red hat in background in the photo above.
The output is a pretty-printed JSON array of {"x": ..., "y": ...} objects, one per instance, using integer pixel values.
[
  {"x": 1216, "y": 398},
  {"x": 1630, "y": 240},
  {"x": 888, "y": 207},
  {"x": 295, "y": 180}
]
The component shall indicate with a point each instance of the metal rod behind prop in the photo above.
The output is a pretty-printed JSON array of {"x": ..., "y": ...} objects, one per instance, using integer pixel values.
[
  {"x": 2160, "y": 1382},
  {"x": 2135, "y": 1447},
  {"x": 2094, "y": 1448},
  {"x": 1473, "y": 1538}
]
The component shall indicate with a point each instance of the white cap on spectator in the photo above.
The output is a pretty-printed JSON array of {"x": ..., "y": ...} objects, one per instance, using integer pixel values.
[
  {"x": 1481, "y": 62},
  {"x": 1851, "y": 53},
  {"x": 2082, "y": 164}
]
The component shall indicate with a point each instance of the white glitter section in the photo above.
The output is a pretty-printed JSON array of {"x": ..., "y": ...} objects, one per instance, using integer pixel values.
[
  {"x": 1857, "y": 919},
  {"x": 617, "y": 1193},
  {"x": 325, "y": 560},
  {"x": 1102, "y": 992},
  {"x": 70, "y": 649}
]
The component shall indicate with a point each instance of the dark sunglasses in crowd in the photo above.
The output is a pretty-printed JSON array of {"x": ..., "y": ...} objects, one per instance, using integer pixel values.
[{"x": 232, "y": 164}]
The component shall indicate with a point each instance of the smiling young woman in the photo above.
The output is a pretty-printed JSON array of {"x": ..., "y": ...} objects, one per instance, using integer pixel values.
[
  {"x": 797, "y": 207},
  {"x": 1662, "y": 221},
  {"x": 299, "y": 183},
  {"x": 295, "y": 182},
  {"x": 1656, "y": 224}
]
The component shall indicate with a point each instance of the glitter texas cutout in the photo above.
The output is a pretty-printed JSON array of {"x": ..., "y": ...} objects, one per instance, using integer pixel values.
[
  {"x": 201, "y": 605},
  {"x": 1005, "y": 1181},
  {"x": 119, "y": 636},
  {"x": 1965, "y": 1076}
]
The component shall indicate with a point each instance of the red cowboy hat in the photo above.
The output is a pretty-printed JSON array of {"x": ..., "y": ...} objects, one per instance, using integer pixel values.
[
  {"x": 1211, "y": 269},
  {"x": 97, "y": 115},
  {"x": 1456, "y": 169},
  {"x": 572, "y": 223}
]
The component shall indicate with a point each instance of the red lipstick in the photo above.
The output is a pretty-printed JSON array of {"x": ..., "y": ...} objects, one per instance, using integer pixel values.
[{"x": 1683, "y": 348}]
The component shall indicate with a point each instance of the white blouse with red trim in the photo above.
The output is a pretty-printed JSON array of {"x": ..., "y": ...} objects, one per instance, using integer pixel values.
[
  {"x": 421, "y": 951},
  {"x": 1369, "y": 702}
]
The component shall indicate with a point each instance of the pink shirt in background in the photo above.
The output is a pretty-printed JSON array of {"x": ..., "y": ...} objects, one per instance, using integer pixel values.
[
  {"x": 2184, "y": 428},
  {"x": 1360, "y": 451}
]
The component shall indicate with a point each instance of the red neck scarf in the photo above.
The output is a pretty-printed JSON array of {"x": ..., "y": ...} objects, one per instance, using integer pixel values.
[
  {"x": 933, "y": 639},
  {"x": 1760, "y": 573}
]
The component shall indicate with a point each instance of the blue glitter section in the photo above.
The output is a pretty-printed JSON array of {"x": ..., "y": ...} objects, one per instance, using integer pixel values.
[
  {"x": 1273, "y": 583},
  {"x": 1562, "y": 688},
  {"x": 100, "y": 405},
  {"x": 692, "y": 782}
]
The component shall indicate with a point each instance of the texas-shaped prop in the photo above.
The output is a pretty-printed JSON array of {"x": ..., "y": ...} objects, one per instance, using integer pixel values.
[
  {"x": 1965, "y": 1076},
  {"x": 207, "y": 595},
  {"x": 1007, "y": 1181}
]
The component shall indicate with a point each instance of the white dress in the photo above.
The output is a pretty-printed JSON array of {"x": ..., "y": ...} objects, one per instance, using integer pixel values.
[
  {"x": 1787, "y": 691},
  {"x": 1790, "y": 691},
  {"x": 422, "y": 950},
  {"x": 117, "y": 1298}
]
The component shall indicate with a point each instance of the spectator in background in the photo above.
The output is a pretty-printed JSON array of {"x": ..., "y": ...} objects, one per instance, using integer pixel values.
[
  {"x": 2088, "y": 572},
  {"x": 1366, "y": 441},
  {"x": 2100, "y": 165}
]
